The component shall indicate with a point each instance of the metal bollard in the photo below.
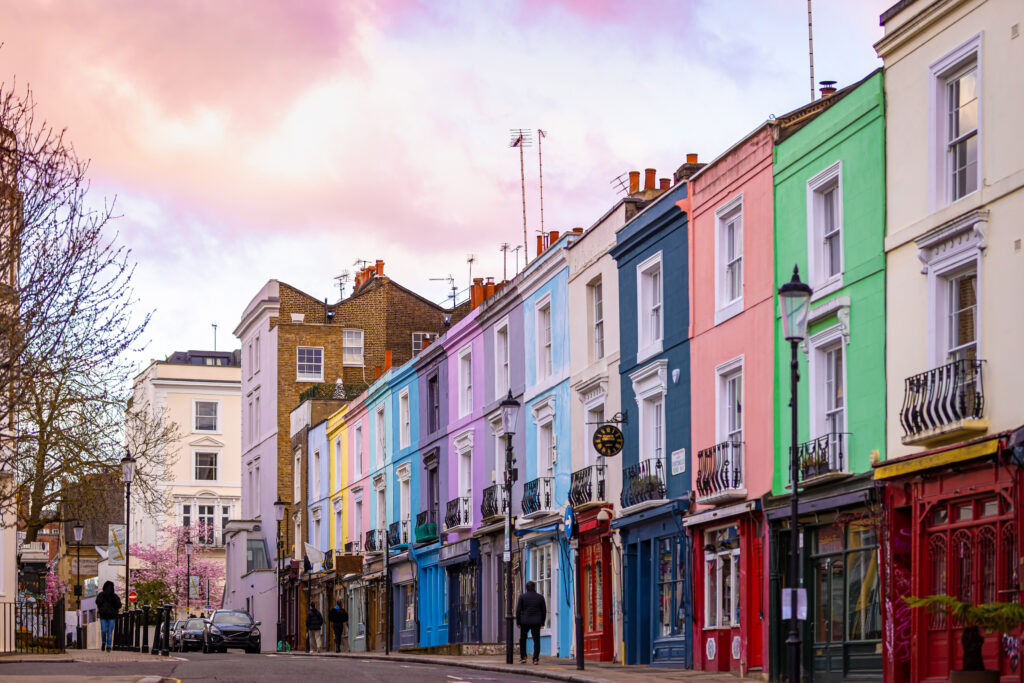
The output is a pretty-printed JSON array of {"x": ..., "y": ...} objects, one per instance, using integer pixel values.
[
  {"x": 156, "y": 633},
  {"x": 145, "y": 629},
  {"x": 165, "y": 646},
  {"x": 117, "y": 632},
  {"x": 137, "y": 634}
]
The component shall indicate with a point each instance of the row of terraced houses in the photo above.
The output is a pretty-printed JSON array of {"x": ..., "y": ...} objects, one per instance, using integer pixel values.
[{"x": 376, "y": 419}]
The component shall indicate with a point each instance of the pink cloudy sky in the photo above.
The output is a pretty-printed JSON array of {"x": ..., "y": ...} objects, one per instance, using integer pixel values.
[{"x": 249, "y": 139}]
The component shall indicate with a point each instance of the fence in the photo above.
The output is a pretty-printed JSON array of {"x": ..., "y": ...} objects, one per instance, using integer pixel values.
[{"x": 32, "y": 626}]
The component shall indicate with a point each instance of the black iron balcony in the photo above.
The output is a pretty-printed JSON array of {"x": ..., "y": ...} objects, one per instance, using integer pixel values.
[
  {"x": 494, "y": 503},
  {"x": 426, "y": 526},
  {"x": 642, "y": 482},
  {"x": 374, "y": 541},
  {"x": 538, "y": 495},
  {"x": 398, "y": 533},
  {"x": 457, "y": 513},
  {"x": 587, "y": 486},
  {"x": 720, "y": 472},
  {"x": 827, "y": 454},
  {"x": 944, "y": 403},
  {"x": 352, "y": 546}
]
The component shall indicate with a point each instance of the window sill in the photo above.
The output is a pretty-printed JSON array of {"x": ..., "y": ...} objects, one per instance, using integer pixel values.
[
  {"x": 730, "y": 310},
  {"x": 310, "y": 379},
  {"x": 206, "y": 431},
  {"x": 352, "y": 363},
  {"x": 649, "y": 351},
  {"x": 830, "y": 286}
]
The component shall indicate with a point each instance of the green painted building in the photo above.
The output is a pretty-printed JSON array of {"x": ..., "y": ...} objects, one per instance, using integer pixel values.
[{"x": 830, "y": 221}]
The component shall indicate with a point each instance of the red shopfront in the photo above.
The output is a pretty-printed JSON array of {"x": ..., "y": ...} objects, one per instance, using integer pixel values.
[
  {"x": 952, "y": 526},
  {"x": 728, "y": 588},
  {"x": 596, "y": 586}
]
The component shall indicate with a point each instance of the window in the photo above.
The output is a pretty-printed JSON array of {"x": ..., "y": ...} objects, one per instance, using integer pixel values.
[
  {"x": 465, "y": 382},
  {"x": 255, "y": 555},
  {"x": 382, "y": 505},
  {"x": 545, "y": 360},
  {"x": 825, "y": 229},
  {"x": 252, "y": 424},
  {"x": 297, "y": 477},
  {"x": 256, "y": 499},
  {"x": 382, "y": 438},
  {"x": 405, "y": 499},
  {"x": 434, "y": 400},
  {"x": 955, "y": 118},
  {"x": 502, "y": 376},
  {"x": 731, "y": 403},
  {"x": 357, "y": 522},
  {"x": 596, "y": 297},
  {"x": 405, "y": 433},
  {"x": 670, "y": 586},
  {"x": 257, "y": 354},
  {"x": 827, "y": 370},
  {"x": 357, "y": 452},
  {"x": 309, "y": 364},
  {"x": 352, "y": 345},
  {"x": 205, "y": 519},
  {"x": 249, "y": 360},
  {"x": 729, "y": 260},
  {"x": 545, "y": 449},
  {"x": 421, "y": 340},
  {"x": 257, "y": 426},
  {"x": 595, "y": 417},
  {"x": 206, "y": 466},
  {"x": 338, "y": 529},
  {"x": 721, "y": 585},
  {"x": 845, "y": 597},
  {"x": 654, "y": 432},
  {"x": 463, "y": 444},
  {"x": 186, "y": 515},
  {"x": 314, "y": 538},
  {"x": 206, "y": 416},
  {"x": 315, "y": 494},
  {"x": 225, "y": 516},
  {"x": 650, "y": 384},
  {"x": 540, "y": 574},
  {"x": 338, "y": 463},
  {"x": 835, "y": 399},
  {"x": 650, "y": 323},
  {"x": 962, "y": 316}
]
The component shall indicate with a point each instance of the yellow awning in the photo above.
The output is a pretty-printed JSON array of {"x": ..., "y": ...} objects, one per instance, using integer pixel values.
[{"x": 903, "y": 467}]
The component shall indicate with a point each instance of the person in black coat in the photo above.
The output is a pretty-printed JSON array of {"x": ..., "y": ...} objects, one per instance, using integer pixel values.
[
  {"x": 314, "y": 622},
  {"x": 531, "y": 613},
  {"x": 338, "y": 616},
  {"x": 107, "y": 607}
]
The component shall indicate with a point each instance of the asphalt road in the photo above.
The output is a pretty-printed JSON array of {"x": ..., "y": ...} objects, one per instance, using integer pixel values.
[{"x": 238, "y": 667}]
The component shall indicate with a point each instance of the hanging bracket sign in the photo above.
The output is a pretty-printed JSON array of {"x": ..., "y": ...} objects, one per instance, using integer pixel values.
[{"x": 608, "y": 440}]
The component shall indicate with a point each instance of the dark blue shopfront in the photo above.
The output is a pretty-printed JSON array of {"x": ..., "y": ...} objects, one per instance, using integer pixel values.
[{"x": 461, "y": 560}]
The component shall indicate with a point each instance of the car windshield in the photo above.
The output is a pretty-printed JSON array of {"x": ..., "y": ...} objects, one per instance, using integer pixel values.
[
  {"x": 194, "y": 625},
  {"x": 233, "y": 618}
]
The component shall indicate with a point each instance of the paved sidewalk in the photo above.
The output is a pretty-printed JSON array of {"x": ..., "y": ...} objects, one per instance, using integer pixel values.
[
  {"x": 554, "y": 668},
  {"x": 91, "y": 656}
]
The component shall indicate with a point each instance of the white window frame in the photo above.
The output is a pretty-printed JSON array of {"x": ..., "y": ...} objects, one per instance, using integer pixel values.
[
  {"x": 315, "y": 476},
  {"x": 650, "y": 332},
  {"x": 339, "y": 524},
  {"x": 466, "y": 381},
  {"x": 404, "y": 419},
  {"x": 418, "y": 338},
  {"x": 817, "y": 357},
  {"x": 502, "y": 359},
  {"x": 404, "y": 476},
  {"x": 545, "y": 583},
  {"x": 338, "y": 462},
  {"x": 724, "y": 373},
  {"x": 463, "y": 444},
  {"x": 725, "y": 307},
  {"x": 297, "y": 476},
  {"x": 348, "y": 354},
  {"x": 822, "y": 283},
  {"x": 380, "y": 449},
  {"x": 308, "y": 376},
  {"x": 216, "y": 468},
  {"x": 257, "y": 356},
  {"x": 357, "y": 451},
  {"x": 941, "y": 72},
  {"x": 734, "y": 576},
  {"x": 498, "y": 432},
  {"x": 357, "y": 519},
  {"x": 650, "y": 386},
  {"x": 195, "y": 404},
  {"x": 595, "y": 299},
  {"x": 545, "y": 337}
]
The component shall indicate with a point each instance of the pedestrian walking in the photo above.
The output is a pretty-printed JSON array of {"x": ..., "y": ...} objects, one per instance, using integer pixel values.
[
  {"x": 338, "y": 616},
  {"x": 107, "y": 606},
  {"x": 314, "y": 622},
  {"x": 531, "y": 613}
]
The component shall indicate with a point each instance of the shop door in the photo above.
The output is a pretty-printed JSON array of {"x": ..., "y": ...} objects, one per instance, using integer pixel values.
[
  {"x": 596, "y": 601},
  {"x": 829, "y": 577},
  {"x": 464, "y": 603}
]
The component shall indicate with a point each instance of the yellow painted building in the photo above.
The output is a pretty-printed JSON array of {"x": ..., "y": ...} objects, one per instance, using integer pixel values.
[{"x": 337, "y": 439}]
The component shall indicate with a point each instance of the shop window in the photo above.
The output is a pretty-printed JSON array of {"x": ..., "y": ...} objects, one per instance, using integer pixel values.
[
  {"x": 847, "y": 600},
  {"x": 722, "y": 589},
  {"x": 540, "y": 574},
  {"x": 960, "y": 583}
]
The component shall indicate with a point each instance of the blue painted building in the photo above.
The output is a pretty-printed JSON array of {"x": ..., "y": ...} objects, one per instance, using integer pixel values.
[
  {"x": 404, "y": 482},
  {"x": 651, "y": 253}
]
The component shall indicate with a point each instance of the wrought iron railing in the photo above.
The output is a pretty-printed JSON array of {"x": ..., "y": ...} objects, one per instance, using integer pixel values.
[
  {"x": 587, "y": 485},
  {"x": 642, "y": 482},
  {"x": 457, "y": 513},
  {"x": 398, "y": 533},
  {"x": 720, "y": 469},
  {"x": 538, "y": 494},
  {"x": 942, "y": 396},
  {"x": 32, "y": 626},
  {"x": 352, "y": 546},
  {"x": 824, "y": 455},
  {"x": 493, "y": 503},
  {"x": 374, "y": 541},
  {"x": 426, "y": 526}
]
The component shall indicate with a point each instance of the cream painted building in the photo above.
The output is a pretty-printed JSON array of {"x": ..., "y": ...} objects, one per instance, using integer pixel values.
[
  {"x": 954, "y": 256},
  {"x": 200, "y": 392}
]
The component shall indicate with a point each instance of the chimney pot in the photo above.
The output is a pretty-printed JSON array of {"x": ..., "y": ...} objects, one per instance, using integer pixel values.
[
  {"x": 540, "y": 244},
  {"x": 552, "y": 237},
  {"x": 665, "y": 183},
  {"x": 489, "y": 288},
  {"x": 634, "y": 182},
  {"x": 828, "y": 88},
  {"x": 380, "y": 268},
  {"x": 649, "y": 175},
  {"x": 691, "y": 158},
  {"x": 387, "y": 359},
  {"x": 578, "y": 231}
]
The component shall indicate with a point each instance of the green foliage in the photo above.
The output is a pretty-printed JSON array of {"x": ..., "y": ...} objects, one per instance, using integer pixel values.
[
  {"x": 154, "y": 592},
  {"x": 1000, "y": 617}
]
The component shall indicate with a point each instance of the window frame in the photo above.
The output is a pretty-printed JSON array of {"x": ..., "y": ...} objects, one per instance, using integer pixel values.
[
  {"x": 942, "y": 71},
  {"x": 380, "y": 448},
  {"x": 724, "y": 374},
  {"x": 348, "y": 360},
  {"x": 419, "y": 337},
  {"x": 595, "y": 308},
  {"x": 216, "y": 466},
  {"x": 357, "y": 448},
  {"x": 734, "y": 584},
  {"x": 338, "y": 462},
  {"x": 726, "y": 214},
  {"x": 308, "y": 377},
  {"x": 404, "y": 418},
  {"x": 545, "y": 341},
  {"x": 829, "y": 178},
  {"x": 819, "y": 346},
  {"x": 650, "y": 342},
  {"x": 465, "y": 380},
  {"x": 502, "y": 360},
  {"x": 195, "y": 416},
  {"x": 315, "y": 482},
  {"x": 545, "y": 582}
]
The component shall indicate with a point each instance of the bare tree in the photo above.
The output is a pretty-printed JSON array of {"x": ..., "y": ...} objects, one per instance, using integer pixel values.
[{"x": 67, "y": 319}]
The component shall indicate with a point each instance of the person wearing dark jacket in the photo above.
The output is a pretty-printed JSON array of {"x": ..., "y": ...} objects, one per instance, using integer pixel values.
[
  {"x": 107, "y": 607},
  {"x": 338, "y": 616},
  {"x": 531, "y": 613},
  {"x": 314, "y": 622}
]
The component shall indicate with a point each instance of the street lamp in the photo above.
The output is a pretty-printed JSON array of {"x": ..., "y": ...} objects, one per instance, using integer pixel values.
[
  {"x": 795, "y": 300},
  {"x": 127, "y": 474},
  {"x": 79, "y": 527},
  {"x": 188, "y": 575},
  {"x": 509, "y": 417},
  {"x": 279, "y": 507}
]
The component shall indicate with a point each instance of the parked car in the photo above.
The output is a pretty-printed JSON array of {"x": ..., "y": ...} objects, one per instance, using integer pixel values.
[
  {"x": 175, "y": 637},
  {"x": 192, "y": 634},
  {"x": 230, "y": 628}
]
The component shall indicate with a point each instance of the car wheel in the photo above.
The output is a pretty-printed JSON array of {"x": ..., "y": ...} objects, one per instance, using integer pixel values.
[
  {"x": 223, "y": 650},
  {"x": 252, "y": 650}
]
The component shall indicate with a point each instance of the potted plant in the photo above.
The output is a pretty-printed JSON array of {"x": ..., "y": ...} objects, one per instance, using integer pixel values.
[
  {"x": 646, "y": 487},
  {"x": 998, "y": 617}
]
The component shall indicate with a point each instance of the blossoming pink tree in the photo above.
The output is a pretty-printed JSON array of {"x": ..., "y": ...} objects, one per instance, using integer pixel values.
[
  {"x": 54, "y": 587},
  {"x": 162, "y": 574}
]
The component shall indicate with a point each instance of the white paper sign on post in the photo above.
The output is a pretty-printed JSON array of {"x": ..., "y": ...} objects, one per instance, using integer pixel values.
[
  {"x": 115, "y": 544},
  {"x": 679, "y": 461}
]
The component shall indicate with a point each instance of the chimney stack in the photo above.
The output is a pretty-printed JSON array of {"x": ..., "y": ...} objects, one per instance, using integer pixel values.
[
  {"x": 380, "y": 268},
  {"x": 665, "y": 183},
  {"x": 476, "y": 292},
  {"x": 634, "y": 182},
  {"x": 649, "y": 178},
  {"x": 578, "y": 231},
  {"x": 489, "y": 288},
  {"x": 387, "y": 356},
  {"x": 685, "y": 171},
  {"x": 828, "y": 88},
  {"x": 553, "y": 237},
  {"x": 540, "y": 244}
]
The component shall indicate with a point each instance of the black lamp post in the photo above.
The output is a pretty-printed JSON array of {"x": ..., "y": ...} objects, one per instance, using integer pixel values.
[
  {"x": 188, "y": 575},
  {"x": 279, "y": 507},
  {"x": 127, "y": 474},
  {"x": 509, "y": 417},
  {"x": 795, "y": 299},
  {"x": 78, "y": 527}
]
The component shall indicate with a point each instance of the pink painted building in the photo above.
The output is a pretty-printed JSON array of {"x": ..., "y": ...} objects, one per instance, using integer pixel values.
[{"x": 731, "y": 374}]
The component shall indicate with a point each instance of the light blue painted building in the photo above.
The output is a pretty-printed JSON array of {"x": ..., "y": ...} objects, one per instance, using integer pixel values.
[{"x": 404, "y": 483}]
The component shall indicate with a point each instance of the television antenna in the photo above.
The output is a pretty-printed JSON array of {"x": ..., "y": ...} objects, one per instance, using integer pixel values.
[
  {"x": 520, "y": 137},
  {"x": 504, "y": 248},
  {"x": 540, "y": 163},
  {"x": 451, "y": 283},
  {"x": 342, "y": 280},
  {"x": 470, "y": 259},
  {"x": 621, "y": 183},
  {"x": 361, "y": 262}
]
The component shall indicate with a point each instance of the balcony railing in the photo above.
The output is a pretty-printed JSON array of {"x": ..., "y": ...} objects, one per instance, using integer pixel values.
[
  {"x": 827, "y": 454},
  {"x": 352, "y": 546},
  {"x": 398, "y": 533},
  {"x": 494, "y": 503},
  {"x": 426, "y": 526},
  {"x": 374, "y": 541},
  {"x": 538, "y": 495},
  {"x": 643, "y": 482},
  {"x": 457, "y": 513},
  {"x": 587, "y": 486},
  {"x": 941, "y": 403},
  {"x": 720, "y": 472}
]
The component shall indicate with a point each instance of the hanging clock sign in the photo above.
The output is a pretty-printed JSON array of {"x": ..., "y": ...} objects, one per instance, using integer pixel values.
[{"x": 608, "y": 440}]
